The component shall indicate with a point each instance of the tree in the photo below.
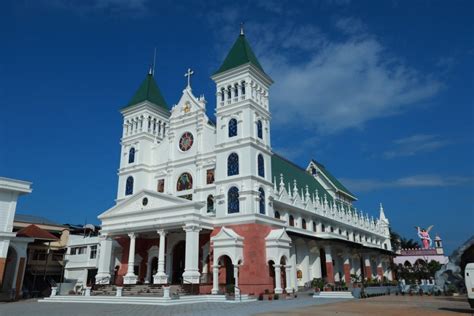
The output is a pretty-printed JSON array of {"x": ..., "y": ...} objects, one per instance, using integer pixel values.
[
  {"x": 394, "y": 240},
  {"x": 408, "y": 243}
]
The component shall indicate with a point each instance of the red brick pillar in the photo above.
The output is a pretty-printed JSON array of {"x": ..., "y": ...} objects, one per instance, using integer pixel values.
[
  {"x": 367, "y": 267},
  {"x": 3, "y": 263},
  {"x": 380, "y": 269},
  {"x": 347, "y": 270},
  {"x": 329, "y": 265}
]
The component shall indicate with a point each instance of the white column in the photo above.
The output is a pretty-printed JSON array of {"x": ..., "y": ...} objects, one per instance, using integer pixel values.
[
  {"x": 236, "y": 277},
  {"x": 130, "y": 277},
  {"x": 288, "y": 288},
  {"x": 191, "y": 267},
  {"x": 215, "y": 279},
  {"x": 278, "y": 289},
  {"x": 105, "y": 254},
  {"x": 160, "y": 277}
]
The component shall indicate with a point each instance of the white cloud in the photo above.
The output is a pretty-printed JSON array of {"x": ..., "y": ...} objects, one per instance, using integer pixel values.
[
  {"x": 329, "y": 85},
  {"x": 426, "y": 180},
  {"x": 415, "y": 144}
]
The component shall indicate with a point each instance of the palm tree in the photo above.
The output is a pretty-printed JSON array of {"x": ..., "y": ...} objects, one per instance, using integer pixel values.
[{"x": 408, "y": 243}]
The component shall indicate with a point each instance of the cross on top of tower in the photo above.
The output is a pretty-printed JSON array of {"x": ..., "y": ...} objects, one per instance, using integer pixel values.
[{"x": 188, "y": 74}]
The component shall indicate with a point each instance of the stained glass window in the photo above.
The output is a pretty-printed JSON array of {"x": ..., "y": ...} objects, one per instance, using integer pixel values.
[
  {"x": 261, "y": 166},
  {"x": 292, "y": 221},
  {"x": 131, "y": 155},
  {"x": 259, "y": 129},
  {"x": 233, "y": 200},
  {"x": 210, "y": 204},
  {"x": 186, "y": 141},
  {"x": 161, "y": 185},
  {"x": 129, "y": 186},
  {"x": 233, "y": 127},
  {"x": 210, "y": 176},
  {"x": 261, "y": 202},
  {"x": 185, "y": 182},
  {"x": 232, "y": 164}
]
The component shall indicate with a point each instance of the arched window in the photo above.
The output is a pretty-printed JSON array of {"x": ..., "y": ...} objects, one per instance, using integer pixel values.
[
  {"x": 229, "y": 92},
  {"x": 243, "y": 87},
  {"x": 232, "y": 127},
  {"x": 210, "y": 203},
  {"x": 185, "y": 182},
  {"x": 233, "y": 200},
  {"x": 131, "y": 155},
  {"x": 303, "y": 223},
  {"x": 323, "y": 228},
  {"x": 292, "y": 220},
  {"x": 277, "y": 214},
  {"x": 129, "y": 186},
  {"x": 236, "y": 90},
  {"x": 232, "y": 164},
  {"x": 261, "y": 166},
  {"x": 259, "y": 129},
  {"x": 222, "y": 94},
  {"x": 314, "y": 226},
  {"x": 261, "y": 201}
]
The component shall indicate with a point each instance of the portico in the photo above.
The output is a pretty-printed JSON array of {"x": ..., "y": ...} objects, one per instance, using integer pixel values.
[{"x": 153, "y": 234}]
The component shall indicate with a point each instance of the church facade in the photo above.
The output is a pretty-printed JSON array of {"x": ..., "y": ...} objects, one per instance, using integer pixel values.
[{"x": 210, "y": 203}]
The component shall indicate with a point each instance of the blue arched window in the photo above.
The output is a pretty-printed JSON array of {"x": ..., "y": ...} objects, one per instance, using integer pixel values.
[
  {"x": 233, "y": 127},
  {"x": 261, "y": 166},
  {"x": 259, "y": 129},
  {"x": 233, "y": 200},
  {"x": 131, "y": 155},
  {"x": 129, "y": 186},
  {"x": 261, "y": 201},
  {"x": 232, "y": 164}
]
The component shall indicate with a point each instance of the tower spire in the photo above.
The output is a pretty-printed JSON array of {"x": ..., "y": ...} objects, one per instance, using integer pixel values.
[
  {"x": 241, "y": 28},
  {"x": 154, "y": 60}
]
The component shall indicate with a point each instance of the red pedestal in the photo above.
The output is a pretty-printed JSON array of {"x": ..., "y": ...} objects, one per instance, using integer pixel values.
[
  {"x": 368, "y": 272},
  {"x": 330, "y": 272},
  {"x": 347, "y": 273}
]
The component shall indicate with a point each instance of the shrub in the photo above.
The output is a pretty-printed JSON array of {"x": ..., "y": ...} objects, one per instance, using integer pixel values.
[
  {"x": 276, "y": 297},
  {"x": 260, "y": 297}
]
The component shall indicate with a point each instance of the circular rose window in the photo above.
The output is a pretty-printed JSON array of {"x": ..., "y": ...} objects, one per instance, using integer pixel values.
[{"x": 186, "y": 141}]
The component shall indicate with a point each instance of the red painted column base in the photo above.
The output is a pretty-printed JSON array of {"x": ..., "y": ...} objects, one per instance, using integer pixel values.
[
  {"x": 368, "y": 272},
  {"x": 347, "y": 273},
  {"x": 380, "y": 272},
  {"x": 330, "y": 272}
]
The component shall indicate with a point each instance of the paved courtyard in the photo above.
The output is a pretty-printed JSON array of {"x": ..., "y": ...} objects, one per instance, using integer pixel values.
[{"x": 385, "y": 305}]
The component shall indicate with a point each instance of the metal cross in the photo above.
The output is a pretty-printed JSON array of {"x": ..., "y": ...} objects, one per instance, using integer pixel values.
[{"x": 188, "y": 74}]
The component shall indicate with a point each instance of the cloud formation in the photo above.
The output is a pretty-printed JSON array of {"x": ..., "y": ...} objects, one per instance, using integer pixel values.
[
  {"x": 424, "y": 180},
  {"x": 415, "y": 144},
  {"x": 330, "y": 83}
]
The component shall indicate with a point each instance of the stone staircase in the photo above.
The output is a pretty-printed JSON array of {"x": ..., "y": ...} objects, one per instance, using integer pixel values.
[{"x": 152, "y": 290}]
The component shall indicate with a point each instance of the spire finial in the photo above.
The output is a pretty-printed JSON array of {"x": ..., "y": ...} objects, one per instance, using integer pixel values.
[
  {"x": 154, "y": 60},
  {"x": 188, "y": 74},
  {"x": 241, "y": 28}
]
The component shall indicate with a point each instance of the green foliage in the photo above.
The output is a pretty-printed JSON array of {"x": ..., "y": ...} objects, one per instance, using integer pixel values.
[
  {"x": 230, "y": 288},
  {"x": 317, "y": 283},
  {"x": 408, "y": 243}
]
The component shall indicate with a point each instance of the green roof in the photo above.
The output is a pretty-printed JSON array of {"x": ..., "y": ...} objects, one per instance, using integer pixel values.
[
  {"x": 149, "y": 91},
  {"x": 240, "y": 54},
  {"x": 292, "y": 172},
  {"x": 333, "y": 179}
]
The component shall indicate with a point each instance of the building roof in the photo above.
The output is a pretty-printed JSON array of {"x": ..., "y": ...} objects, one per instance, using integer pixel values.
[
  {"x": 149, "y": 91},
  {"x": 240, "y": 54},
  {"x": 333, "y": 179},
  {"x": 33, "y": 231},
  {"x": 25, "y": 218},
  {"x": 291, "y": 171}
]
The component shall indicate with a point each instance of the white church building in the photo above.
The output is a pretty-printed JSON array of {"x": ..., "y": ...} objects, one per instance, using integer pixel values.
[{"x": 211, "y": 204}]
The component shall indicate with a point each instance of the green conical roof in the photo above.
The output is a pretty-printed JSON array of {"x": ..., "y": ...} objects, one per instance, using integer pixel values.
[
  {"x": 149, "y": 91},
  {"x": 239, "y": 55}
]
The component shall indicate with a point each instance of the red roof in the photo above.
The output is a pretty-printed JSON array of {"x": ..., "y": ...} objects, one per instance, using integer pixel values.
[{"x": 34, "y": 231}]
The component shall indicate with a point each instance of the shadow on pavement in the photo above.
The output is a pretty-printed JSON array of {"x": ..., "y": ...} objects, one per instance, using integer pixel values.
[{"x": 458, "y": 310}]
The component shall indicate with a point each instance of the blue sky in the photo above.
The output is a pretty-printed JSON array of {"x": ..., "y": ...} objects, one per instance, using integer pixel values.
[{"x": 381, "y": 92}]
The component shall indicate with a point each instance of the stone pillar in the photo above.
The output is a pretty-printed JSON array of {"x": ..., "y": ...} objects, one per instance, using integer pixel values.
[
  {"x": 347, "y": 269},
  {"x": 215, "y": 279},
  {"x": 329, "y": 265},
  {"x": 288, "y": 288},
  {"x": 148, "y": 270},
  {"x": 160, "y": 277},
  {"x": 191, "y": 268},
  {"x": 367, "y": 267},
  {"x": 130, "y": 277},
  {"x": 278, "y": 289},
  {"x": 119, "y": 291},
  {"x": 236, "y": 277},
  {"x": 105, "y": 258}
]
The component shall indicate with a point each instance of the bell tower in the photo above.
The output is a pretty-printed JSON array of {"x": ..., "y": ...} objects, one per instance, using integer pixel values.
[
  {"x": 145, "y": 124},
  {"x": 243, "y": 148}
]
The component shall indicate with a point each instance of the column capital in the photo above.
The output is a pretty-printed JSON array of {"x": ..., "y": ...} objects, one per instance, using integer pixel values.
[
  {"x": 277, "y": 266},
  {"x": 162, "y": 232},
  {"x": 104, "y": 236},
  {"x": 132, "y": 235},
  {"x": 192, "y": 228}
]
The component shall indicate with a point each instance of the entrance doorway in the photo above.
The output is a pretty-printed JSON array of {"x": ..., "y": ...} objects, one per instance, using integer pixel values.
[{"x": 179, "y": 253}]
